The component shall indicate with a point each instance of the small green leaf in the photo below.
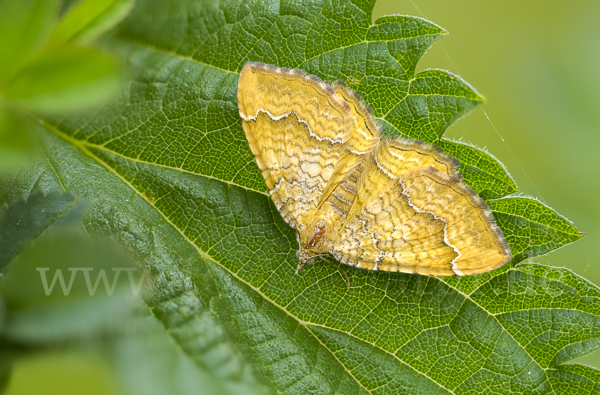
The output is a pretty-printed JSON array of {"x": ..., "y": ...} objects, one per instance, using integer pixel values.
[
  {"x": 89, "y": 19},
  {"x": 535, "y": 303},
  {"x": 65, "y": 286},
  {"x": 16, "y": 145},
  {"x": 57, "y": 286},
  {"x": 24, "y": 28},
  {"x": 532, "y": 228},
  {"x": 5, "y": 372},
  {"x": 481, "y": 171},
  {"x": 149, "y": 361},
  {"x": 436, "y": 98},
  {"x": 67, "y": 78},
  {"x": 574, "y": 379},
  {"x": 24, "y": 220}
]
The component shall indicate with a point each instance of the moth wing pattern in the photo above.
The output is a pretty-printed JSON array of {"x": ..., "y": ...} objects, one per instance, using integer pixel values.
[
  {"x": 302, "y": 132},
  {"x": 416, "y": 216},
  {"x": 390, "y": 205}
]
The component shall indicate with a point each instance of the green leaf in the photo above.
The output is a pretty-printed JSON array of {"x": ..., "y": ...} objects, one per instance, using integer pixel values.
[
  {"x": 53, "y": 289},
  {"x": 481, "y": 170},
  {"x": 175, "y": 181},
  {"x": 24, "y": 220},
  {"x": 16, "y": 145},
  {"x": 65, "y": 286},
  {"x": 24, "y": 26},
  {"x": 539, "y": 232},
  {"x": 89, "y": 19},
  {"x": 149, "y": 361},
  {"x": 582, "y": 379},
  {"x": 5, "y": 372},
  {"x": 61, "y": 79}
]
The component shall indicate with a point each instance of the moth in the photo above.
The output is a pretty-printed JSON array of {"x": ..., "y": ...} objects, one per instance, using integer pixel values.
[{"x": 373, "y": 203}]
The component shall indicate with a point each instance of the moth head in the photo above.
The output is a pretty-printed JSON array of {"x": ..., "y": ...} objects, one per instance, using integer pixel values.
[{"x": 304, "y": 258}]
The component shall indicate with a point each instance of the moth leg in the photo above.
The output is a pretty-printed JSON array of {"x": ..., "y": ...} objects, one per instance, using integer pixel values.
[{"x": 341, "y": 270}]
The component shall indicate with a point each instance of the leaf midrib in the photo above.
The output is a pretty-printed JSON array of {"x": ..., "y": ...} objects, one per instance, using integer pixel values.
[{"x": 83, "y": 144}]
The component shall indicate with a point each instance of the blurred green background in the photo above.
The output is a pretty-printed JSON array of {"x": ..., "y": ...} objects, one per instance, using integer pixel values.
[{"x": 537, "y": 63}]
